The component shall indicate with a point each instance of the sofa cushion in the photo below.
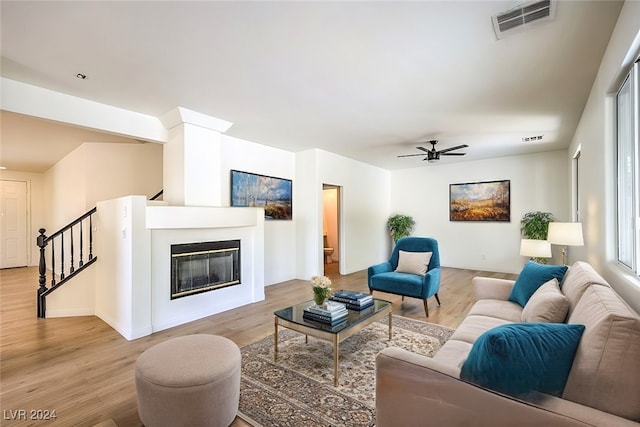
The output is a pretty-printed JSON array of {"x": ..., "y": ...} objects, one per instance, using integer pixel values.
[
  {"x": 413, "y": 262},
  {"x": 522, "y": 357},
  {"x": 532, "y": 276},
  {"x": 473, "y": 326},
  {"x": 578, "y": 278},
  {"x": 398, "y": 283},
  {"x": 505, "y": 310},
  {"x": 547, "y": 304},
  {"x": 606, "y": 368}
]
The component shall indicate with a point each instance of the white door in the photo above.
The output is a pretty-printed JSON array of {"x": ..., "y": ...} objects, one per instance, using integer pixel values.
[{"x": 13, "y": 224}]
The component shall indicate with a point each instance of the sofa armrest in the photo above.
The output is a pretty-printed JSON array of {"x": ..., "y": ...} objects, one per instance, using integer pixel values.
[
  {"x": 416, "y": 390},
  {"x": 492, "y": 288}
]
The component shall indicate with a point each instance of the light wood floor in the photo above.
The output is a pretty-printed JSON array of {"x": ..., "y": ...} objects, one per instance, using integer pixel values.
[{"x": 84, "y": 370}]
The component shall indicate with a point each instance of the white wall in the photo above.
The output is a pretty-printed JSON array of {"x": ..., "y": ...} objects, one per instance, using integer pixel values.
[
  {"x": 307, "y": 191},
  {"x": 74, "y": 298},
  {"x": 279, "y": 236},
  {"x": 65, "y": 192},
  {"x": 538, "y": 183},
  {"x": 35, "y": 206},
  {"x": 595, "y": 136},
  {"x": 123, "y": 270},
  {"x": 116, "y": 170},
  {"x": 364, "y": 205},
  {"x": 99, "y": 171}
]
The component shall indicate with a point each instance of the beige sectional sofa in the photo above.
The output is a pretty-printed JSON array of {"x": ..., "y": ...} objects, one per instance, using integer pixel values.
[{"x": 602, "y": 388}]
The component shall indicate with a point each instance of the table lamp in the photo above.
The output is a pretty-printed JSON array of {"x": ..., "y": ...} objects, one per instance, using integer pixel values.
[
  {"x": 565, "y": 234},
  {"x": 535, "y": 248}
]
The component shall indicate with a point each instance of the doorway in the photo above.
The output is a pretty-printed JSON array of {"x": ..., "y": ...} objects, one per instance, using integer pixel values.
[
  {"x": 13, "y": 224},
  {"x": 331, "y": 196}
]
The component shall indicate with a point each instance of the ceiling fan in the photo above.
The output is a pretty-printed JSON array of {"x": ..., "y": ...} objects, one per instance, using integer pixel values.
[{"x": 433, "y": 155}]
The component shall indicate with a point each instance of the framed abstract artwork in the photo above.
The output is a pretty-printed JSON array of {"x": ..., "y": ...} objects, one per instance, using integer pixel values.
[
  {"x": 271, "y": 193},
  {"x": 480, "y": 201}
]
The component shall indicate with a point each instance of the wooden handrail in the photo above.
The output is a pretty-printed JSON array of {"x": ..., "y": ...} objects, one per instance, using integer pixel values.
[
  {"x": 157, "y": 195},
  {"x": 72, "y": 223}
]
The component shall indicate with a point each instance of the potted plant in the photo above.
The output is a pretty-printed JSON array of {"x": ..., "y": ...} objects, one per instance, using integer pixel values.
[
  {"x": 535, "y": 225},
  {"x": 400, "y": 226},
  {"x": 321, "y": 289}
]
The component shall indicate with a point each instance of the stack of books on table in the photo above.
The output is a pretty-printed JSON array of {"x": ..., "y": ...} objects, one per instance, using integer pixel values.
[
  {"x": 332, "y": 313},
  {"x": 353, "y": 300}
]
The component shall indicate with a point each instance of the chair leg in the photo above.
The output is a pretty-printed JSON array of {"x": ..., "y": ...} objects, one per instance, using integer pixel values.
[
  {"x": 438, "y": 299},
  {"x": 402, "y": 298},
  {"x": 426, "y": 307}
]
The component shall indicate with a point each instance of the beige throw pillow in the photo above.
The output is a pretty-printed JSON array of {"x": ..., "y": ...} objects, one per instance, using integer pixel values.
[
  {"x": 547, "y": 304},
  {"x": 413, "y": 262}
]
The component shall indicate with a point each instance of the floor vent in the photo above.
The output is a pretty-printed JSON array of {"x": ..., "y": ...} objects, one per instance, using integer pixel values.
[{"x": 522, "y": 16}]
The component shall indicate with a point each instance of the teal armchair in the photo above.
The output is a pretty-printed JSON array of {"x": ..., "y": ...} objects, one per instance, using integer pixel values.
[{"x": 384, "y": 277}]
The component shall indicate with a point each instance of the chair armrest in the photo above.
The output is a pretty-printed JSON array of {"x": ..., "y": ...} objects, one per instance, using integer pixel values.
[
  {"x": 492, "y": 288},
  {"x": 384, "y": 267},
  {"x": 431, "y": 283},
  {"x": 416, "y": 390}
]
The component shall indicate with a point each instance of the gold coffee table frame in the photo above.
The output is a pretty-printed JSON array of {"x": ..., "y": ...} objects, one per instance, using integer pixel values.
[{"x": 291, "y": 318}]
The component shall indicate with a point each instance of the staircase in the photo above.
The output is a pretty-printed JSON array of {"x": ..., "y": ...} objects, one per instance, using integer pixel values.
[{"x": 63, "y": 246}]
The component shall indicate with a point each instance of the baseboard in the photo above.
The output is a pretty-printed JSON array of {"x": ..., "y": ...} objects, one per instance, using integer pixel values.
[
  {"x": 70, "y": 312},
  {"x": 128, "y": 334}
]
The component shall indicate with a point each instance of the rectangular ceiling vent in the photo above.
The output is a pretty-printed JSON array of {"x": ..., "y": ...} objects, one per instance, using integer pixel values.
[{"x": 522, "y": 17}]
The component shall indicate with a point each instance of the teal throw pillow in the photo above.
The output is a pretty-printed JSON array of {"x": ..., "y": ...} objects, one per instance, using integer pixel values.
[
  {"x": 532, "y": 276},
  {"x": 518, "y": 358}
]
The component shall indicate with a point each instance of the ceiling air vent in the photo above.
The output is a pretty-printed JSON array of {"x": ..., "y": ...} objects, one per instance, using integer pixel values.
[
  {"x": 522, "y": 16},
  {"x": 534, "y": 138}
]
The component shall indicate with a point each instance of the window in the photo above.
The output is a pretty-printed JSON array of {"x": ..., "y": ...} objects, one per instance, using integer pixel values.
[{"x": 627, "y": 125}]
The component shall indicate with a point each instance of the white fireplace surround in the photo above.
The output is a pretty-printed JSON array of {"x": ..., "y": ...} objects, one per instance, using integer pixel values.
[{"x": 133, "y": 274}]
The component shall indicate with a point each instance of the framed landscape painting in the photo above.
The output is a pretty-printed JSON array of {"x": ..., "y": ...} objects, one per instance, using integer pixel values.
[
  {"x": 480, "y": 201},
  {"x": 271, "y": 193}
]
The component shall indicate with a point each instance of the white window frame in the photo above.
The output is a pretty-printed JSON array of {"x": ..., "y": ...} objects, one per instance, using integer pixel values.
[{"x": 628, "y": 171}]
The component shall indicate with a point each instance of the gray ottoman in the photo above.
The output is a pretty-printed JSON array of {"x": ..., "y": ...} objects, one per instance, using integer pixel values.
[{"x": 192, "y": 380}]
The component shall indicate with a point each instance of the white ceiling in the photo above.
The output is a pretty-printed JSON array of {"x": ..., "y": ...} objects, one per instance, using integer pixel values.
[{"x": 367, "y": 80}]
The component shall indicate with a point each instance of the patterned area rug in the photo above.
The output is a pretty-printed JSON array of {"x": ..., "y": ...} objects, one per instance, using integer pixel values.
[{"x": 298, "y": 389}]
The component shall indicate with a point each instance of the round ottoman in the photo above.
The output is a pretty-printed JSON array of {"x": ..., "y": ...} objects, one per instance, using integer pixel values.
[{"x": 192, "y": 380}]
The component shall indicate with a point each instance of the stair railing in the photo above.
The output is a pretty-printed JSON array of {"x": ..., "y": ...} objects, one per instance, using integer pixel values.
[{"x": 57, "y": 239}]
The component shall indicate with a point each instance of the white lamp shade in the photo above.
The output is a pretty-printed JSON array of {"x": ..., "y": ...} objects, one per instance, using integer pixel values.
[
  {"x": 565, "y": 233},
  {"x": 535, "y": 248}
]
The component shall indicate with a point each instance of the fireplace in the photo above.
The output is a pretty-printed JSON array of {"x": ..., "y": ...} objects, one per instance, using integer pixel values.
[{"x": 204, "y": 266}]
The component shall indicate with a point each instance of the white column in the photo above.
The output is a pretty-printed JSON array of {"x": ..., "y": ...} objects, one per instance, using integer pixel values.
[{"x": 192, "y": 172}]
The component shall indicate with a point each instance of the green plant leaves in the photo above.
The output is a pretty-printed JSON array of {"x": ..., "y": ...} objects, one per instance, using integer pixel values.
[
  {"x": 535, "y": 225},
  {"x": 400, "y": 226}
]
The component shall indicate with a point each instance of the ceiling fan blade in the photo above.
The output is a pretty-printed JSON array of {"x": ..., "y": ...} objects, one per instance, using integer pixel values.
[
  {"x": 426, "y": 150},
  {"x": 457, "y": 147},
  {"x": 452, "y": 154},
  {"x": 411, "y": 155}
]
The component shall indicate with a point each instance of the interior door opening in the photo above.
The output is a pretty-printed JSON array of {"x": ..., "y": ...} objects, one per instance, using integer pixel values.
[
  {"x": 13, "y": 224},
  {"x": 331, "y": 196}
]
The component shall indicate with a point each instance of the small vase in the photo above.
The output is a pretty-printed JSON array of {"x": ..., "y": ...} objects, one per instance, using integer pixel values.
[{"x": 319, "y": 299}]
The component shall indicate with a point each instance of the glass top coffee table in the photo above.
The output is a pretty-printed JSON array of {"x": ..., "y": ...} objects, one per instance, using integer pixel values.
[{"x": 291, "y": 318}]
